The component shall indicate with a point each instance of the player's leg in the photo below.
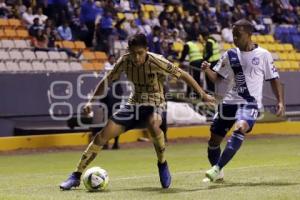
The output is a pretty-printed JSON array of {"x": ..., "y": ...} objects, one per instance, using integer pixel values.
[
  {"x": 111, "y": 130},
  {"x": 246, "y": 117},
  {"x": 154, "y": 122},
  {"x": 223, "y": 121}
]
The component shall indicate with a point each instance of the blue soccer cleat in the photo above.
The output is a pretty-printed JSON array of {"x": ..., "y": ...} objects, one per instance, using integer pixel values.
[
  {"x": 164, "y": 174},
  {"x": 72, "y": 181}
]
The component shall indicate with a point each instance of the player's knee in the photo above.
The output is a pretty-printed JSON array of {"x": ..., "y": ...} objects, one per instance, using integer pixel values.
[
  {"x": 212, "y": 142},
  {"x": 242, "y": 127},
  {"x": 101, "y": 139}
]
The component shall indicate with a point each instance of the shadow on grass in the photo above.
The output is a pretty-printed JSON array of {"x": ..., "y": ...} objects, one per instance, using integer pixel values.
[
  {"x": 212, "y": 186},
  {"x": 251, "y": 184}
]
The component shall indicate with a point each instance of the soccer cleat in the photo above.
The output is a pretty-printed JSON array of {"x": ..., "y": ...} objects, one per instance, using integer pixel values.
[
  {"x": 164, "y": 174},
  {"x": 213, "y": 173},
  {"x": 72, "y": 181},
  {"x": 219, "y": 179}
]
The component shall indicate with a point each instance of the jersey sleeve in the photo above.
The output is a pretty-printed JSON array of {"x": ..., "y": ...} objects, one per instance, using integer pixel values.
[
  {"x": 167, "y": 67},
  {"x": 222, "y": 68},
  {"x": 270, "y": 71}
]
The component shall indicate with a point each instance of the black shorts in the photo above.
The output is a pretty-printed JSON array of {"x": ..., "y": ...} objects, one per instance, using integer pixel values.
[
  {"x": 228, "y": 114},
  {"x": 136, "y": 116}
]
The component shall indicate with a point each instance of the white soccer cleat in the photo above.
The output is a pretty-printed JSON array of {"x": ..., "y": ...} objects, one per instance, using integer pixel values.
[{"x": 214, "y": 175}]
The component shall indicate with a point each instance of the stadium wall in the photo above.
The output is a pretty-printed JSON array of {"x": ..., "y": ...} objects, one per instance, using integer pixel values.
[{"x": 79, "y": 139}]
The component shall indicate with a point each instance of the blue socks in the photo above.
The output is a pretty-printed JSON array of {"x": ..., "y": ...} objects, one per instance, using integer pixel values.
[
  {"x": 233, "y": 145},
  {"x": 213, "y": 153}
]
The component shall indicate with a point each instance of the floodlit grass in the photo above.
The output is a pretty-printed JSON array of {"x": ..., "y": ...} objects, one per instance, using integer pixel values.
[{"x": 266, "y": 168}]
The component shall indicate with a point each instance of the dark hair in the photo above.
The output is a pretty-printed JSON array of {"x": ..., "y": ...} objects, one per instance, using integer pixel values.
[
  {"x": 138, "y": 40},
  {"x": 247, "y": 25}
]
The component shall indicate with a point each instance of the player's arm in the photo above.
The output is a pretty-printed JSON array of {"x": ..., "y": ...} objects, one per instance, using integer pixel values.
[
  {"x": 278, "y": 92},
  {"x": 212, "y": 75},
  {"x": 102, "y": 85},
  {"x": 186, "y": 77},
  {"x": 271, "y": 74}
]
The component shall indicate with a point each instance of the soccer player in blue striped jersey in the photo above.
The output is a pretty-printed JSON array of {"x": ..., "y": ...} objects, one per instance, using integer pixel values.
[
  {"x": 147, "y": 72},
  {"x": 245, "y": 68}
]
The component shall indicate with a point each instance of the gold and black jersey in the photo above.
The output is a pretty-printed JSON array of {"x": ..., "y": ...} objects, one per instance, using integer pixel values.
[{"x": 147, "y": 79}]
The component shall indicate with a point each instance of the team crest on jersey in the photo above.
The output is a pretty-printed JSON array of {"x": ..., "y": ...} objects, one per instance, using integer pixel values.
[{"x": 255, "y": 61}]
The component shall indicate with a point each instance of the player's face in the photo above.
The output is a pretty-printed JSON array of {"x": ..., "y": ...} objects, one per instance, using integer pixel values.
[
  {"x": 138, "y": 55},
  {"x": 240, "y": 36}
]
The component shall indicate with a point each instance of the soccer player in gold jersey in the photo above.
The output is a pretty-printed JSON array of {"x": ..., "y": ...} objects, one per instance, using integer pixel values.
[{"x": 147, "y": 72}]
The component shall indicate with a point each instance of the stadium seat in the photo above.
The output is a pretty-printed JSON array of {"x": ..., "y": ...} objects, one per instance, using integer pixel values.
[
  {"x": 12, "y": 66},
  {"x": 51, "y": 66},
  {"x": 79, "y": 45},
  {"x": 297, "y": 56},
  {"x": 279, "y": 47},
  {"x": 129, "y": 16},
  {"x": 275, "y": 56},
  {"x": 283, "y": 56},
  {"x": 269, "y": 38},
  {"x": 177, "y": 46},
  {"x": 149, "y": 7},
  {"x": 98, "y": 66},
  {"x": 3, "y": 22},
  {"x": 2, "y": 67},
  {"x": 88, "y": 55},
  {"x": 120, "y": 15},
  {"x": 15, "y": 55},
  {"x": 294, "y": 65},
  {"x": 291, "y": 56},
  {"x": 159, "y": 8},
  {"x": 7, "y": 44},
  {"x": 88, "y": 66},
  {"x": 10, "y": 33},
  {"x": 63, "y": 66},
  {"x": 14, "y": 23},
  {"x": 54, "y": 55},
  {"x": 100, "y": 56},
  {"x": 38, "y": 66},
  {"x": 260, "y": 39},
  {"x": 288, "y": 47},
  {"x": 29, "y": 55},
  {"x": 75, "y": 66},
  {"x": 68, "y": 44},
  {"x": 22, "y": 34},
  {"x": 4, "y": 55},
  {"x": 226, "y": 46},
  {"x": 25, "y": 66},
  {"x": 42, "y": 55},
  {"x": 63, "y": 55},
  {"x": 21, "y": 44}
]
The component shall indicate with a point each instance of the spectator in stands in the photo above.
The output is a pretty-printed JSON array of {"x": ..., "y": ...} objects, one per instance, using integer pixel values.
[
  {"x": 88, "y": 14},
  {"x": 35, "y": 27},
  {"x": 79, "y": 29},
  {"x": 153, "y": 20},
  {"x": 155, "y": 41},
  {"x": 131, "y": 28},
  {"x": 64, "y": 31},
  {"x": 121, "y": 34},
  {"x": 144, "y": 27},
  {"x": 226, "y": 33},
  {"x": 104, "y": 31},
  {"x": 52, "y": 36},
  {"x": 4, "y": 9},
  {"x": 40, "y": 43},
  {"x": 211, "y": 54},
  {"x": 27, "y": 17},
  {"x": 238, "y": 13},
  {"x": 257, "y": 22},
  {"x": 41, "y": 16}
]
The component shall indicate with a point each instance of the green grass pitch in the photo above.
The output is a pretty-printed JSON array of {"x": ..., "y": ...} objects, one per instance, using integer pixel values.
[{"x": 265, "y": 168}]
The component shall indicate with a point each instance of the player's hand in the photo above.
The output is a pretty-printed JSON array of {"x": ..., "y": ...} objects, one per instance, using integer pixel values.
[
  {"x": 210, "y": 100},
  {"x": 280, "y": 110},
  {"x": 205, "y": 65},
  {"x": 87, "y": 109}
]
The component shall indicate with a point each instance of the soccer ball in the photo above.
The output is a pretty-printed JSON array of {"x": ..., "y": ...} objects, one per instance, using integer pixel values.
[{"x": 95, "y": 179}]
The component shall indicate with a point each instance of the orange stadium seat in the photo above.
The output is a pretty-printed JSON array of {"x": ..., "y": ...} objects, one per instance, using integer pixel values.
[
  {"x": 101, "y": 56},
  {"x": 269, "y": 38},
  {"x": 68, "y": 44},
  {"x": 79, "y": 45},
  {"x": 88, "y": 55},
  {"x": 98, "y": 66},
  {"x": 88, "y": 66},
  {"x": 10, "y": 33},
  {"x": 22, "y": 34},
  {"x": 3, "y": 22},
  {"x": 14, "y": 22}
]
